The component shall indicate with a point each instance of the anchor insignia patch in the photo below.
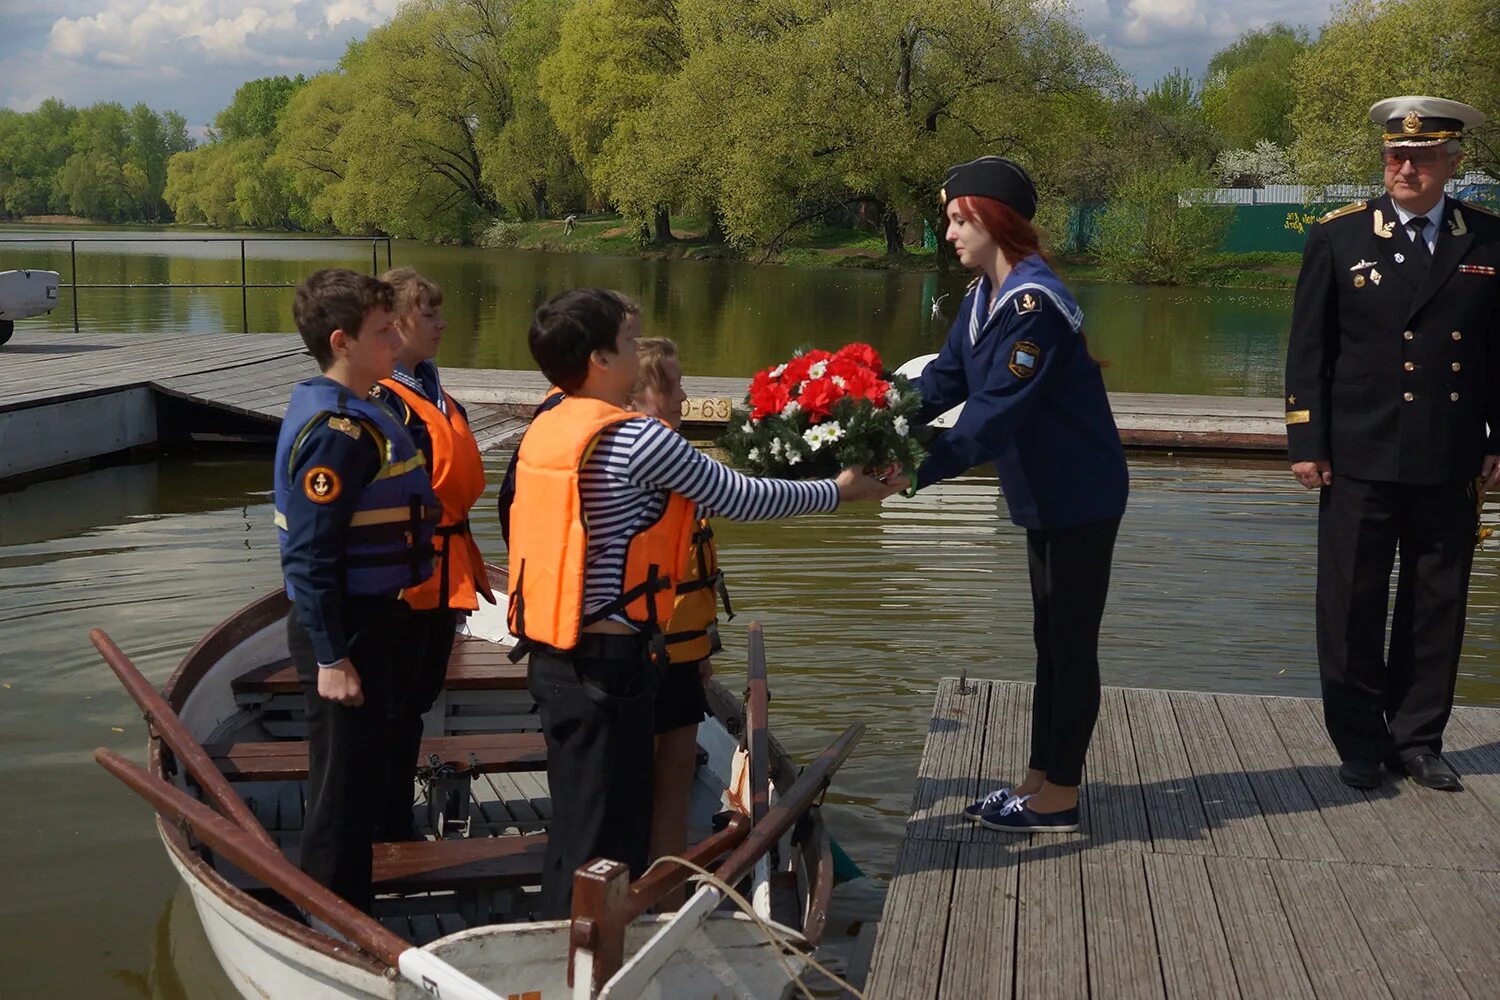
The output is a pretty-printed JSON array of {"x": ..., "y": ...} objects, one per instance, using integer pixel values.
[
  {"x": 1027, "y": 303},
  {"x": 321, "y": 484}
]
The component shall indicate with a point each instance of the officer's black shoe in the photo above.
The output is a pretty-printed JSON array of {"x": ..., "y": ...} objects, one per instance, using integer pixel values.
[
  {"x": 1432, "y": 771},
  {"x": 1360, "y": 773}
]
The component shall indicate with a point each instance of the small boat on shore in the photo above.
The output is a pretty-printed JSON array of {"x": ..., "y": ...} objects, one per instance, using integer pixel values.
[{"x": 465, "y": 895}]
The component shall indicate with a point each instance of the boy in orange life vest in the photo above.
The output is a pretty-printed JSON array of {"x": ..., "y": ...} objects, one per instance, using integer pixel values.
[
  {"x": 600, "y": 528},
  {"x": 440, "y": 427},
  {"x": 692, "y": 634}
]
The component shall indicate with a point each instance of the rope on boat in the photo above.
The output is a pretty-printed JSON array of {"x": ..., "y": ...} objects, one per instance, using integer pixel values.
[{"x": 783, "y": 946}]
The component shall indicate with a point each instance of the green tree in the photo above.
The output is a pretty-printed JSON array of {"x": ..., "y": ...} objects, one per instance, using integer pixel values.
[
  {"x": 1147, "y": 233},
  {"x": 256, "y": 108},
  {"x": 1449, "y": 48},
  {"x": 1248, "y": 91}
]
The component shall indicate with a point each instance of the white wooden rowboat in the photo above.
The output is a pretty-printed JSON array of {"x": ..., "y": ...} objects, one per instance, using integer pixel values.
[{"x": 465, "y": 898}]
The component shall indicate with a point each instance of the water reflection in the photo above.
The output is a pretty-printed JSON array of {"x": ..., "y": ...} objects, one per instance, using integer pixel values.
[
  {"x": 864, "y": 611},
  {"x": 730, "y": 319}
]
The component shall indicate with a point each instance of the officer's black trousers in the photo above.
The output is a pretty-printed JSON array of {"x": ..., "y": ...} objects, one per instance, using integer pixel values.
[
  {"x": 347, "y": 746},
  {"x": 1377, "y": 705},
  {"x": 420, "y": 681},
  {"x": 1069, "y": 583},
  {"x": 597, "y": 715}
]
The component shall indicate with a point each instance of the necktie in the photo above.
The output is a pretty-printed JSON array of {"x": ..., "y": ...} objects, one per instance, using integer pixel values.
[{"x": 1419, "y": 252}]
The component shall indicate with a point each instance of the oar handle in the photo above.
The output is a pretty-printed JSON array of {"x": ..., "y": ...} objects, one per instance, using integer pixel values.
[
  {"x": 757, "y": 724},
  {"x": 174, "y": 734},
  {"x": 423, "y": 969}
]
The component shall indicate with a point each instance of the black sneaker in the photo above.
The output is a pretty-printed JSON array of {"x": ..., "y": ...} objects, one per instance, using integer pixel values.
[
  {"x": 994, "y": 800},
  {"x": 1015, "y": 816}
]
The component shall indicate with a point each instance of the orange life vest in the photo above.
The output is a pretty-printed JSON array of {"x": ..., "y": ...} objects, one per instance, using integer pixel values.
[
  {"x": 549, "y": 537},
  {"x": 458, "y": 480},
  {"x": 693, "y": 632}
]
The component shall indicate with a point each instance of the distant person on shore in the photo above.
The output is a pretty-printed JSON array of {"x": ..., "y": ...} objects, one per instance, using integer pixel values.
[
  {"x": 355, "y": 512},
  {"x": 692, "y": 633},
  {"x": 440, "y": 426},
  {"x": 606, "y": 504},
  {"x": 1393, "y": 414},
  {"x": 1035, "y": 406}
]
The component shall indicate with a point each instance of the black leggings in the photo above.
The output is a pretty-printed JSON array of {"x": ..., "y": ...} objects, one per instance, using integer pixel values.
[{"x": 1069, "y": 583}]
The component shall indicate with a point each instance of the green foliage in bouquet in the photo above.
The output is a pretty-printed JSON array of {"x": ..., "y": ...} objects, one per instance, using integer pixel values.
[{"x": 821, "y": 412}]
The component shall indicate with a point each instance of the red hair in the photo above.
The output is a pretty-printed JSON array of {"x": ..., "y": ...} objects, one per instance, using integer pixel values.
[{"x": 1016, "y": 237}]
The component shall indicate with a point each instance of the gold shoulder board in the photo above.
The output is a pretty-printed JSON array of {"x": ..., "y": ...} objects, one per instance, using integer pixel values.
[
  {"x": 345, "y": 425},
  {"x": 1478, "y": 207},
  {"x": 1350, "y": 209}
]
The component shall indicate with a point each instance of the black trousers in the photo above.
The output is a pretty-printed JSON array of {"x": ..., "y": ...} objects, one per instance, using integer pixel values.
[
  {"x": 1069, "y": 584},
  {"x": 598, "y": 718},
  {"x": 347, "y": 745},
  {"x": 419, "y": 682},
  {"x": 1380, "y": 704}
]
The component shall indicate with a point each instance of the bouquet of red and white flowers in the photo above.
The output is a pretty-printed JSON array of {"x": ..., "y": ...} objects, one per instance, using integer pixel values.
[{"x": 820, "y": 412}]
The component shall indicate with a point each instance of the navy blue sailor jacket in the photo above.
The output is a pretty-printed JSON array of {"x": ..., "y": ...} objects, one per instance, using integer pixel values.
[{"x": 1034, "y": 403}]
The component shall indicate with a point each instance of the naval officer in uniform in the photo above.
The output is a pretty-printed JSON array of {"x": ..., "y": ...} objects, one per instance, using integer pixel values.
[{"x": 1393, "y": 412}]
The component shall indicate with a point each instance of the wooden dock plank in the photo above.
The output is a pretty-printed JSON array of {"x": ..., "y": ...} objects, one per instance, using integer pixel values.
[
  {"x": 1408, "y": 954},
  {"x": 1291, "y": 815},
  {"x": 1351, "y": 821},
  {"x": 1194, "y": 954},
  {"x": 1449, "y": 905},
  {"x": 947, "y": 774},
  {"x": 1123, "y": 962},
  {"x": 914, "y": 922},
  {"x": 1051, "y": 956},
  {"x": 1334, "y": 953},
  {"x": 1234, "y": 817},
  {"x": 979, "y": 956},
  {"x": 1261, "y": 944},
  {"x": 1175, "y": 814},
  {"x": 1472, "y": 746}
]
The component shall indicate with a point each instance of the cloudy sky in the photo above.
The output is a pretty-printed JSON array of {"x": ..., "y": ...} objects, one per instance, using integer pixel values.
[{"x": 189, "y": 55}]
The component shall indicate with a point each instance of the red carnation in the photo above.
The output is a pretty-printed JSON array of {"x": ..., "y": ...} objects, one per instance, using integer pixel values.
[
  {"x": 864, "y": 384},
  {"x": 863, "y": 355},
  {"x": 767, "y": 399},
  {"x": 818, "y": 398}
]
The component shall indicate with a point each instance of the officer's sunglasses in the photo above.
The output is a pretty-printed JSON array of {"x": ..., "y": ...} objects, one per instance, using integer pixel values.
[{"x": 1423, "y": 157}]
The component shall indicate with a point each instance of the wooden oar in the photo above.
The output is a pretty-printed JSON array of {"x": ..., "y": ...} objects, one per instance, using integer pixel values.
[
  {"x": 421, "y": 968},
  {"x": 757, "y": 724},
  {"x": 635, "y": 975},
  {"x": 160, "y": 717}
]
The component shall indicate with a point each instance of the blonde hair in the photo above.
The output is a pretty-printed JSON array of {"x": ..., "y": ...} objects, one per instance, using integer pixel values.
[
  {"x": 413, "y": 291},
  {"x": 653, "y": 354}
]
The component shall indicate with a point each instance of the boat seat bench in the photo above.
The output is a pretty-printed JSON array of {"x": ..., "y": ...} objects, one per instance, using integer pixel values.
[
  {"x": 469, "y": 670},
  {"x": 458, "y": 756},
  {"x": 465, "y": 863}
]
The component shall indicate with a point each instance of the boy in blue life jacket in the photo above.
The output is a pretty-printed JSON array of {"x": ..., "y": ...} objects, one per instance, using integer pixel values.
[{"x": 355, "y": 514}]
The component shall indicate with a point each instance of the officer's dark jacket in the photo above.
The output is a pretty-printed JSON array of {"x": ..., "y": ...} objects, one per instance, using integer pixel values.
[
  {"x": 1034, "y": 404},
  {"x": 1393, "y": 371}
]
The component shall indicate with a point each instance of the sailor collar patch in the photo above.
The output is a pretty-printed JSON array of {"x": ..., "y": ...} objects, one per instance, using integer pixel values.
[{"x": 1024, "y": 357}]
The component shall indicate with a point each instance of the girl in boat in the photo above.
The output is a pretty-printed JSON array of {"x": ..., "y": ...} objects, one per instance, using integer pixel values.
[
  {"x": 1035, "y": 406},
  {"x": 692, "y": 634},
  {"x": 441, "y": 429},
  {"x": 600, "y": 527}
]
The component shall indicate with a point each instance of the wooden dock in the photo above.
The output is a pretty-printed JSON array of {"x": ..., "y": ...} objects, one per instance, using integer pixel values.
[
  {"x": 69, "y": 398},
  {"x": 1220, "y": 857}
]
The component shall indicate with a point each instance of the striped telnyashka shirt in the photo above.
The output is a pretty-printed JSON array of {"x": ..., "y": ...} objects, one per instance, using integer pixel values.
[{"x": 635, "y": 465}]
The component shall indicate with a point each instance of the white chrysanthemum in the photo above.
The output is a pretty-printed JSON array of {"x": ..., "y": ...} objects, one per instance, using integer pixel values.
[
  {"x": 791, "y": 409},
  {"x": 901, "y": 426},
  {"x": 838, "y": 380},
  {"x": 749, "y": 427},
  {"x": 776, "y": 372},
  {"x": 776, "y": 447},
  {"x": 814, "y": 436},
  {"x": 754, "y": 455},
  {"x": 817, "y": 370},
  {"x": 793, "y": 456},
  {"x": 832, "y": 431},
  {"x": 892, "y": 397}
]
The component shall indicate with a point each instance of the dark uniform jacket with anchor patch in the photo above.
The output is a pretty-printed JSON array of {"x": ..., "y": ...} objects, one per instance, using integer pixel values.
[{"x": 1393, "y": 369}]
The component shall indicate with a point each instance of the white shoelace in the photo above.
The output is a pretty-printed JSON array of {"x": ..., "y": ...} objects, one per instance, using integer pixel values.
[
  {"x": 998, "y": 797},
  {"x": 1014, "y": 804}
]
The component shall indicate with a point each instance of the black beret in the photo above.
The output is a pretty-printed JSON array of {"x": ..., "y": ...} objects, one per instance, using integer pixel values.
[{"x": 991, "y": 177}]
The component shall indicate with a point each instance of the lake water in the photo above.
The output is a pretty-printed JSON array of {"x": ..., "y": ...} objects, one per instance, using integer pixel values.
[{"x": 864, "y": 610}]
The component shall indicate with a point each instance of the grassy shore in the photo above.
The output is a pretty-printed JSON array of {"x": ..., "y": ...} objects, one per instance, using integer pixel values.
[{"x": 829, "y": 247}]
